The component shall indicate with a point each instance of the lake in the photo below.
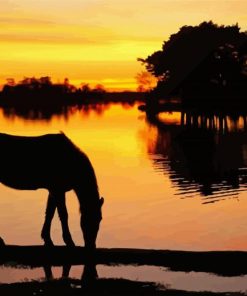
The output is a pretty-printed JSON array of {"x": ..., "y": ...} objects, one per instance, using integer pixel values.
[{"x": 172, "y": 181}]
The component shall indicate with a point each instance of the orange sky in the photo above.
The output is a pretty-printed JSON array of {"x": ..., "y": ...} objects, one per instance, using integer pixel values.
[{"x": 97, "y": 41}]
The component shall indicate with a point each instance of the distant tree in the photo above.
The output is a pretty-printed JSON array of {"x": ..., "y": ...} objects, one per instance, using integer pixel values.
[
  {"x": 99, "y": 88},
  {"x": 69, "y": 88},
  {"x": 9, "y": 86},
  {"x": 145, "y": 80},
  {"x": 46, "y": 80},
  {"x": 66, "y": 82},
  {"x": 10, "y": 82},
  {"x": 85, "y": 88},
  {"x": 35, "y": 83},
  {"x": 202, "y": 54},
  {"x": 25, "y": 81}
]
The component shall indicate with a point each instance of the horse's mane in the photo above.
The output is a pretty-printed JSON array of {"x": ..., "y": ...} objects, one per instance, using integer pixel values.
[
  {"x": 90, "y": 184},
  {"x": 69, "y": 141},
  {"x": 76, "y": 148}
]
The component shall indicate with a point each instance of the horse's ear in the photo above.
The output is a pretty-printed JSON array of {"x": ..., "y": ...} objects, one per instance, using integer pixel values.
[{"x": 101, "y": 201}]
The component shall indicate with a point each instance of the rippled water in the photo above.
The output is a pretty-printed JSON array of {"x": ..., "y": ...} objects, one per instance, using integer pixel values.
[
  {"x": 192, "y": 281},
  {"x": 203, "y": 154},
  {"x": 172, "y": 181}
]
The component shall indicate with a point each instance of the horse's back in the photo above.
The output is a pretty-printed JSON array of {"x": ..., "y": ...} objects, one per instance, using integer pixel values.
[
  {"x": 46, "y": 140},
  {"x": 45, "y": 145},
  {"x": 40, "y": 161}
]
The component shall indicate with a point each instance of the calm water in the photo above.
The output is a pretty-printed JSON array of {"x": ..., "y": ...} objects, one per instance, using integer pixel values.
[
  {"x": 192, "y": 281},
  {"x": 177, "y": 181}
]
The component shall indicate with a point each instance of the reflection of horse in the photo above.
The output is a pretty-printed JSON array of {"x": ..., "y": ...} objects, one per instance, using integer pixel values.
[
  {"x": 53, "y": 162},
  {"x": 88, "y": 277}
]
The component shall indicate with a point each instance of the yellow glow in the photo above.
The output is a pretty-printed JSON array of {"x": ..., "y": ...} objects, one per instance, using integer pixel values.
[
  {"x": 74, "y": 38},
  {"x": 139, "y": 200}
]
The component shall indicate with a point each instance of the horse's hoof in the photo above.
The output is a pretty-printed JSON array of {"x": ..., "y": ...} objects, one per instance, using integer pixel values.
[
  {"x": 69, "y": 241},
  {"x": 2, "y": 243},
  {"x": 48, "y": 244},
  {"x": 71, "y": 244}
]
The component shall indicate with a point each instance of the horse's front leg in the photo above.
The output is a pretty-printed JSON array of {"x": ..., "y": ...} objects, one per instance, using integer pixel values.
[
  {"x": 49, "y": 214},
  {"x": 63, "y": 215}
]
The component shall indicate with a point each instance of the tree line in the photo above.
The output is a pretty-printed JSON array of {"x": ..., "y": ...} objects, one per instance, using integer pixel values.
[
  {"x": 40, "y": 93},
  {"x": 45, "y": 84}
]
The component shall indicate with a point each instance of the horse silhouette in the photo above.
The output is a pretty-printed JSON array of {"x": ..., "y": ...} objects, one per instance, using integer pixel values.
[{"x": 53, "y": 162}]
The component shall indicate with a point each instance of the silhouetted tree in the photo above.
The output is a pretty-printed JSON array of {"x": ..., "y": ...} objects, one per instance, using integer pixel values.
[
  {"x": 10, "y": 82},
  {"x": 85, "y": 88},
  {"x": 99, "y": 88},
  {"x": 46, "y": 80},
  {"x": 9, "y": 86},
  {"x": 199, "y": 57},
  {"x": 41, "y": 94},
  {"x": 145, "y": 80},
  {"x": 68, "y": 88}
]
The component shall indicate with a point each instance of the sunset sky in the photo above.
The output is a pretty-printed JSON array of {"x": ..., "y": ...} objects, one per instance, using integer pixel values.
[{"x": 97, "y": 41}]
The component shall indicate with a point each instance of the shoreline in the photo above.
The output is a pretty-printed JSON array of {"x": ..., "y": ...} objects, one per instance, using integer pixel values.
[{"x": 224, "y": 263}]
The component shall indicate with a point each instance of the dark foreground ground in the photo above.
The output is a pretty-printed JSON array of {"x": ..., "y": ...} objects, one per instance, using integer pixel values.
[
  {"x": 225, "y": 263},
  {"x": 107, "y": 287}
]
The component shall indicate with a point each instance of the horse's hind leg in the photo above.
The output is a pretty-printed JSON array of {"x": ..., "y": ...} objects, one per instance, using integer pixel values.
[
  {"x": 49, "y": 213},
  {"x": 63, "y": 215}
]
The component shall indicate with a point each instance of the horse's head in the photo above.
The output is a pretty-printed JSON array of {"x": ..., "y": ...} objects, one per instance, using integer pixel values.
[{"x": 90, "y": 221}]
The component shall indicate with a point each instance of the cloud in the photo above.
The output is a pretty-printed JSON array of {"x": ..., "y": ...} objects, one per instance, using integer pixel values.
[
  {"x": 28, "y": 38},
  {"x": 25, "y": 30},
  {"x": 10, "y": 20},
  {"x": 111, "y": 21}
]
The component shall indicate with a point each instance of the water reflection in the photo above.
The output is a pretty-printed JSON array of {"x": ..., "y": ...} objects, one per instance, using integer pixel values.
[
  {"x": 203, "y": 153},
  {"x": 59, "y": 111},
  {"x": 45, "y": 114},
  {"x": 88, "y": 283},
  {"x": 88, "y": 277},
  {"x": 140, "y": 201},
  {"x": 143, "y": 280}
]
